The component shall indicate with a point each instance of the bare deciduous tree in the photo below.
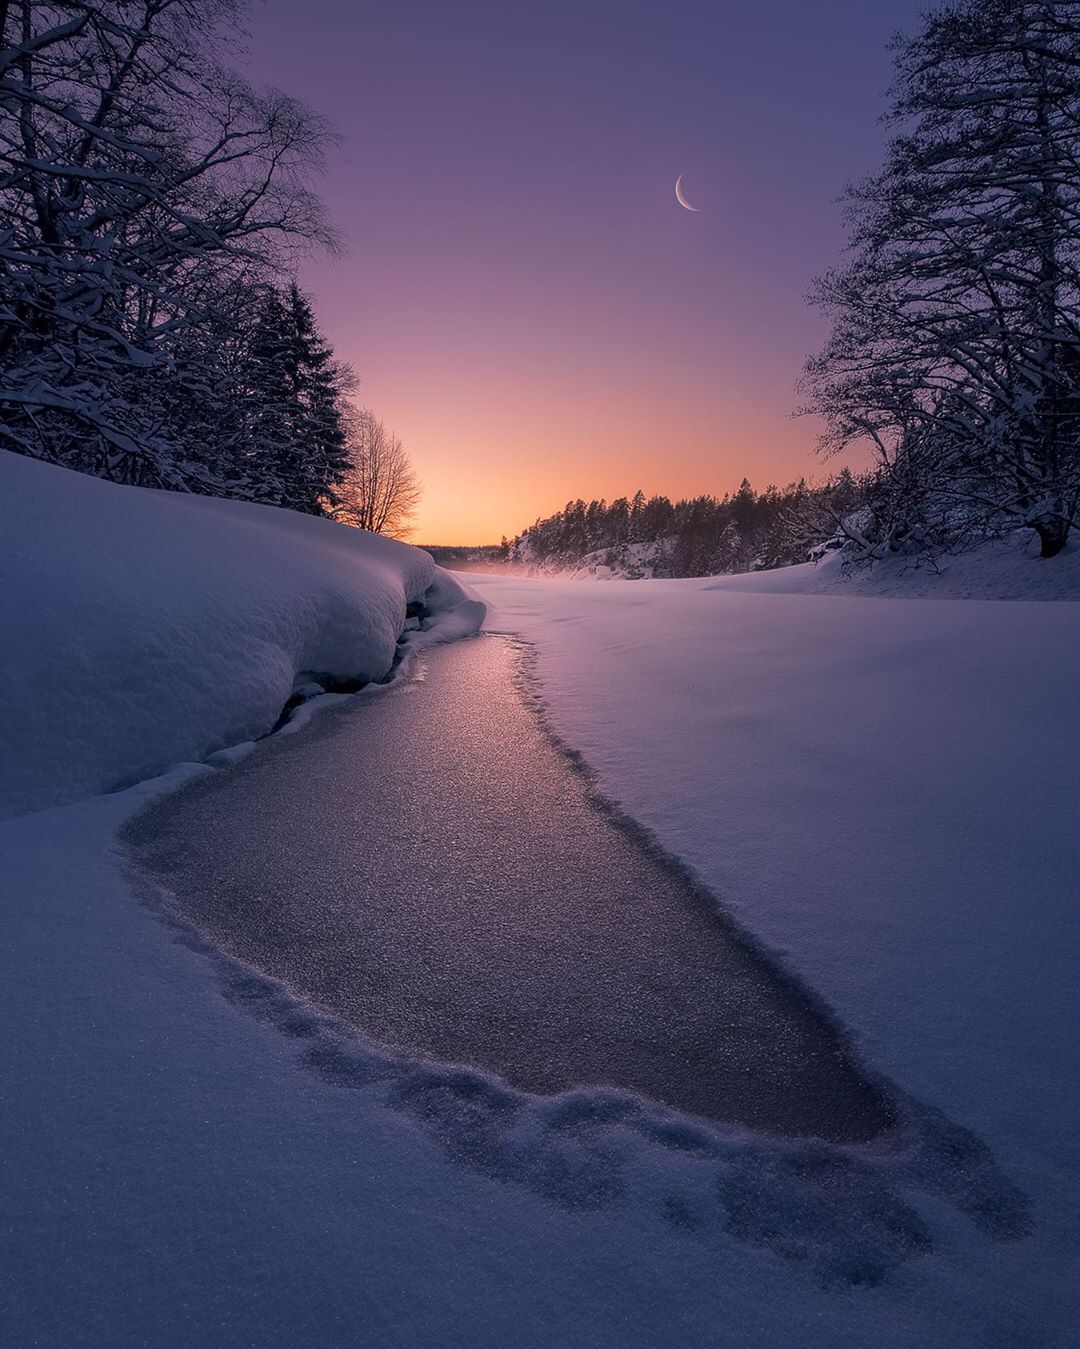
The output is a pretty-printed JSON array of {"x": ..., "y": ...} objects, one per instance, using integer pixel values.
[{"x": 380, "y": 491}]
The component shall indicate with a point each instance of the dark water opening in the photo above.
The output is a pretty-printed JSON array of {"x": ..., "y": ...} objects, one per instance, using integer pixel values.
[{"x": 430, "y": 867}]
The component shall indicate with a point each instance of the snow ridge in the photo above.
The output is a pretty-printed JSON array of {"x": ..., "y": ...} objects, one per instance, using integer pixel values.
[{"x": 146, "y": 628}]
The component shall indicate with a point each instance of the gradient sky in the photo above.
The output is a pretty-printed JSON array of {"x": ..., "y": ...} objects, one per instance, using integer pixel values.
[{"x": 523, "y": 299}]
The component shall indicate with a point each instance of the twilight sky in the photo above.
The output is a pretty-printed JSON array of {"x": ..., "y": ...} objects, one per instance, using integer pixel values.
[{"x": 525, "y": 302}]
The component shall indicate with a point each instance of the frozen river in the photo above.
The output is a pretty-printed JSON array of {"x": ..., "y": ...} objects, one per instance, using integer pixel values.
[{"x": 427, "y": 864}]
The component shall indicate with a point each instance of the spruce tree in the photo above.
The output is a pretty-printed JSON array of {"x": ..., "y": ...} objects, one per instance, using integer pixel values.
[{"x": 296, "y": 392}]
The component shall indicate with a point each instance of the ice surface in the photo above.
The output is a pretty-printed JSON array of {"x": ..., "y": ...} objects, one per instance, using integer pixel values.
[{"x": 480, "y": 914}]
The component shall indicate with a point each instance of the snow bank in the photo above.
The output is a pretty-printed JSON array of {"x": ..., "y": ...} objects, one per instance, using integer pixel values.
[
  {"x": 1005, "y": 569},
  {"x": 143, "y": 628},
  {"x": 884, "y": 792}
]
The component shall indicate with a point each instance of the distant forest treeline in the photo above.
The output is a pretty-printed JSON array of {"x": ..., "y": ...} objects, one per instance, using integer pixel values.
[{"x": 701, "y": 536}]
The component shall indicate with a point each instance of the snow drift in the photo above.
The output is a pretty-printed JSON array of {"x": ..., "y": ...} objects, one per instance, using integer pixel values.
[{"x": 142, "y": 628}]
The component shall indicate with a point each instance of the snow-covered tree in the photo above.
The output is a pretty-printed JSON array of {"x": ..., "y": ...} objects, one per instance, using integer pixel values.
[
  {"x": 637, "y": 513},
  {"x": 697, "y": 537},
  {"x": 143, "y": 190},
  {"x": 296, "y": 427},
  {"x": 955, "y": 348}
]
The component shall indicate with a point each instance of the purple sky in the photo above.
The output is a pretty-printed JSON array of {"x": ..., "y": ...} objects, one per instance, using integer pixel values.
[{"x": 523, "y": 298}]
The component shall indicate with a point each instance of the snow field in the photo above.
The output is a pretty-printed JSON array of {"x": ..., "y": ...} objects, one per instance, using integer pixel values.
[
  {"x": 187, "y": 1168},
  {"x": 883, "y": 792}
]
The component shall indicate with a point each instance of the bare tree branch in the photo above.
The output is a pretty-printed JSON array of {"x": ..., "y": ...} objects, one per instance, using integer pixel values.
[{"x": 380, "y": 492}]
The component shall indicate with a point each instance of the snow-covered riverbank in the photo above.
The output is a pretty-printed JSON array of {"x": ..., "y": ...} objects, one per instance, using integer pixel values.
[
  {"x": 882, "y": 790},
  {"x": 143, "y": 628}
]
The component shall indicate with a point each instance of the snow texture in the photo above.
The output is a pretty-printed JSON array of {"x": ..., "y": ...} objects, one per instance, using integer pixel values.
[
  {"x": 876, "y": 788},
  {"x": 1005, "y": 569},
  {"x": 882, "y": 791},
  {"x": 143, "y": 628}
]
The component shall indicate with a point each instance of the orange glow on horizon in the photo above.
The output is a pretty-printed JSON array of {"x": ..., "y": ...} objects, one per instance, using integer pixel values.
[
  {"x": 505, "y": 424},
  {"x": 525, "y": 302},
  {"x": 485, "y": 480}
]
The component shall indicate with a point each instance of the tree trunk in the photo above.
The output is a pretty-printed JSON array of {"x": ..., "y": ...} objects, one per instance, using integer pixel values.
[{"x": 1052, "y": 534}]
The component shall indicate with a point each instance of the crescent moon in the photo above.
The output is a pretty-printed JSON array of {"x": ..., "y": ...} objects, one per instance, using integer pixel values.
[{"x": 680, "y": 198}]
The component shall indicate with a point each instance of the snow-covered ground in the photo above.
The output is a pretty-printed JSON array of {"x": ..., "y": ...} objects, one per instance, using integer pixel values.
[
  {"x": 141, "y": 628},
  {"x": 1006, "y": 569},
  {"x": 882, "y": 791}
]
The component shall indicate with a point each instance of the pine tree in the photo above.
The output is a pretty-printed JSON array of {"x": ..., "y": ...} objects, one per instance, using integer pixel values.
[
  {"x": 697, "y": 537},
  {"x": 637, "y": 514},
  {"x": 296, "y": 432}
]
